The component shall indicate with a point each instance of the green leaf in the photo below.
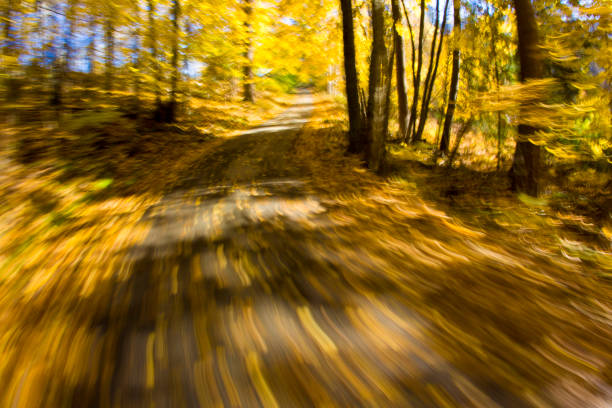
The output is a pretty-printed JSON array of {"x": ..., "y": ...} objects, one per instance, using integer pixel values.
[
  {"x": 532, "y": 201},
  {"x": 102, "y": 184}
]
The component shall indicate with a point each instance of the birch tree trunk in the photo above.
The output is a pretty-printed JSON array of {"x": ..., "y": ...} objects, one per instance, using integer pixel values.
[{"x": 249, "y": 86}]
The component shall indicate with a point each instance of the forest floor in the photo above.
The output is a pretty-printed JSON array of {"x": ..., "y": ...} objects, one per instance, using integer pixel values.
[{"x": 266, "y": 268}]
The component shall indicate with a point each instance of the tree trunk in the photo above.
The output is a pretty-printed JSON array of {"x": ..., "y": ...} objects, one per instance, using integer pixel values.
[
  {"x": 68, "y": 38},
  {"x": 12, "y": 83},
  {"x": 109, "y": 50},
  {"x": 432, "y": 72},
  {"x": 136, "y": 58},
  {"x": 91, "y": 47},
  {"x": 525, "y": 168},
  {"x": 377, "y": 98},
  {"x": 411, "y": 40},
  {"x": 442, "y": 110},
  {"x": 172, "y": 105},
  {"x": 186, "y": 56},
  {"x": 389, "y": 80},
  {"x": 37, "y": 32},
  {"x": 249, "y": 86},
  {"x": 402, "y": 96},
  {"x": 156, "y": 67},
  {"x": 356, "y": 134},
  {"x": 452, "y": 93},
  {"x": 56, "y": 62},
  {"x": 8, "y": 28},
  {"x": 493, "y": 28},
  {"x": 419, "y": 124},
  {"x": 63, "y": 65},
  {"x": 417, "y": 77},
  {"x": 462, "y": 131}
]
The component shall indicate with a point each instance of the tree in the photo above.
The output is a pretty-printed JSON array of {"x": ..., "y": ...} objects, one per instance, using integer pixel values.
[
  {"x": 402, "y": 96},
  {"x": 356, "y": 142},
  {"x": 525, "y": 167},
  {"x": 432, "y": 71},
  {"x": 91, "y": 49},
  {"x": 416, "y": 77},
  {"x": 377, "y": 131},
  {"x": 493, "y": 57},
  {"x": 249, "y": 85},
  {"x": 452, "y": 93},
  {"x": 62, "y": 66},
  {"x": 10, "y": 50},
  {"x": 157, "y": 74},
  {"x": 136, "y": 56},
  {"x": 176, "y": 10},
  {"x": 109, "y": 47}
]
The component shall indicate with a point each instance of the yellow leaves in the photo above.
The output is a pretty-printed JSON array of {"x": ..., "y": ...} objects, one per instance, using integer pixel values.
[
  {"x": 596, "y": 10},
  {"x": 607, "y": 231},
  {"x": 315, "y": 331},
  {"x": 174, "y": 280},
  {"x": 402, "y": 30},
  {"x": 150, "y": 367},
  {"x": 263, "y": 389},
  {"x": 585, "y": 121},
  {"x": 513, "y": 96},
  {"x": 597, "y": 149},
  {"x": 463, "y": 230},
  {"x": 230, "y": 388},
  {"x": 196, "y": 263},
  {"x": 554, "y": 345}
]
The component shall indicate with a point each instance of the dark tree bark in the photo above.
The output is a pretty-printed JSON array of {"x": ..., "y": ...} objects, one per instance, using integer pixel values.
[
  {"x": 356, "y": 134},
  {"x": 186, "y": 56},
  {"x": 462, "y": 131},
  {"x": 136, "y": 59},
  {"x": 91, "y": 46},
  {"x": 249, "y": 85},
  {"x": 452, "y": 93},
  {"x": 389, "y": 80},
  {"x": 417, "y": 77},
  {"x": 493, "y": 25},
  {"x": 398, "y": 43},
  {"x": 7, "y": 26},
  {"x": 525, "y": 168},
  {"x": 56, "y": 63},
  {"x": 411, "y": 41},
  {"x": 71, "y": 20},
  {"x": 419, "y": 121},
  {"x": 156, "y": 68},
  {"x": 442, "y": 110},
  {"x": 377, "y": 90},
  {"x": 63, "y": 64},
  {"x": 432, "y": 72},
  {"x": 12, "y": 84},
  {"x": 90, "y": 56},
  {"x": 172, "y": 104}
]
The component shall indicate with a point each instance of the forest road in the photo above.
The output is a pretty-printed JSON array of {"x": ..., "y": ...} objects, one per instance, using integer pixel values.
[
  {"x": 252, "y": 290},
  {"x": 216, "y": 292}
]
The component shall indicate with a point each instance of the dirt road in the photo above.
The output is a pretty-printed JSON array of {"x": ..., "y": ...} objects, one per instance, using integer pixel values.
[{"x": 251, "y": 290}]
